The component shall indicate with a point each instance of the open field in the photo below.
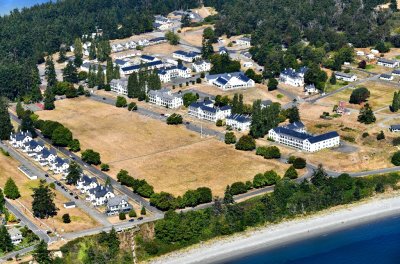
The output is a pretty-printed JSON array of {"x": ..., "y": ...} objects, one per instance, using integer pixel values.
[
  {"x": 80, "y": 220},
  {"x": 171, "y": 158},
  {"x": 194, "y": 35},
  {"x": 381, "y": 95},
  {"x": 164, "y": 49}
]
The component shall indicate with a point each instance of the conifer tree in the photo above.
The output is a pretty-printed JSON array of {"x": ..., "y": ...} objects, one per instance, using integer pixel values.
[
  {"x": 20, "y": 110},
  {"x": 74, "y": 173},
  {"x": 2, "y": 202},
  {"x": 5, "y": 123},
  {"x": 43, "y": 201},
  {"x": 228, "y": 197},
  {"x": 50, "y": 72},
  {"x": 92, "y": 51},
  {"x": 11, "y": 190},
  {"x": 109, "y": 70},
  {"x": 62, "y": 56},
  {"x": 366, "y": 115},
  {"x": 49, "y": 99},
  {"x": 41, "y": 254},
  {"x": 396, "y": 102},
  {"x": 70, "y": 73},
  {"x": 78, "y": 52},
  {"x": 6, "y": 244}
]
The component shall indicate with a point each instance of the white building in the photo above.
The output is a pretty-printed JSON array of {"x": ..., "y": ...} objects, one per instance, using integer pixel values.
[
  {"x": 85, "y": 183},
  {"x": 60, "y": 166},
  {"x": 394, "y": 128},
  {"x": 118, "y": 204},
  {"x": 69, "y": 205},
  {"x": 121, "y": 63},
  {"x": 165, "y": 97},
  {"x": 292, "y": 77},
  {"x": 239, "y": 122},
  {"x": 310, "y": 89},
  {"x": 230, "y": 81},
  {"x": 360, "y": 53},
  {"x": 387, "y": 63},
  {"x": 180, "y": 71},
  {"x": 396, "y": 72},
  {"x": 86, "y": 66},
  {"x": 99, "y": 195},
  {"x": 136, "y": 68},
  {"x": 148, "y": 58},
  {"x": 190, "y": 56},
  {"x": 346, "y": 77},
  {"x": 162, "y": 23},
  {"x": 19, "y": 139},
  {"x": 16, "y": 235},
  {"x": 206, "y": 110},
  {"x": 386, "y": 77},
  {"x": 244, "y": 41},
  {"x": 119, "y": 86},
  {"x": 304, "y": 141},
  {"x": 201, "y": 66}
]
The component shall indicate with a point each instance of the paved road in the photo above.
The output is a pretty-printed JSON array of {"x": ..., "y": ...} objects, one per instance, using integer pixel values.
[
  {"x": 18, "y": 252},
  {"x": 101, "y": 218}
]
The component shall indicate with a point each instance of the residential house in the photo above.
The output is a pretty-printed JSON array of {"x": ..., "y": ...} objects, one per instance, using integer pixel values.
[
  {"x": 341, "y": 109},
  {"x": 370, "y": 56},
  {"x": 206, "y": 110},
  {"x": 297, "y": 126},
  {"x": 248, "y": 64},
  {"x": 239, "y": 122},
  {"x": 60, "y": 166},
  {"x": 50, "y": 156},
  {"x": 374, "y": 51},
  {"x": 69, "y": 205},
  {"x": 244, "y": 41},
  {"x": 223, "y": 51},
  {"x": 302, "y": 140},
  {"x": 158, "y": 40},
  {"x": 100, "y": 195},
  {"x": 386, "y": 77},
  {"x": 162, "y": 23},
  {"x": 180, "y": 71},
  {"x": 86, "y": 183},
  {"x": 16, "y": 235},
  {"x": 148, "y": 58},
  {"x": 387, "y": 63},
  {"x": 18, "y": 139},
  {"x": 93, "y": 66},
  {"x": 266, "y": 103},
  {"x": 190, "y": 56},
  {"x": 345, "y": 77},
  {"x": 230, "y": 81},
  {"x": 292, "y": 77},
  {"x": 165, "y": 97},
  {"x": 118, "y": 204},
  {"x": 360, "y": 53},
  {"x": 135, "y": 68},
  {"x": 310, "y": 89},
  {"x": 201, "y": 66},
  {"x": 119, "y": 86},
  {"x": 396, "y": 72},
  {"x": 121, "y": 63},
  {"x": 394, "y": 128}
]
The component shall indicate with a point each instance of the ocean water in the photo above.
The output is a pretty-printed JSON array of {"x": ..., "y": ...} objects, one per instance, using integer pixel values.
[
  {"x": 377, "y": 242},
  {"x": 7, "y": 5}
]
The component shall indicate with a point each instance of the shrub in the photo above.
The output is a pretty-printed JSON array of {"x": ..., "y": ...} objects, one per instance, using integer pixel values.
[
  {"x": 52, "y": 185},
  {"x": 174, "y": 119},
  {"x": 291, "y": 173},
  {"x": 66, "y": 219},
  {"x": 121, "y": 102},
  {"x": 238, "y": 188},
  {"x": 132, "y": 213},
  {"x": 143, "y": 211},
  {"x": 122, "y": 216},
  {"x": 105, "y": 167},
  {"x": 230, "y": 138},
  {"x": 132, "y": 106},
  {"x": 299, "y": 163},
  {"x": 246, "y": 143},
  {"x": 365, "y": 134},
  {"x": 219, "y": 123},
  {"x": 271, "y": 152},
  {"x": 91, "y": 157},
  {"x": 380, "y": 136},
  {"x": 198, "y": 80},
  {"x": 396, "y": 141},
  {"x": 74, "y": 145},
  {"x": 291, "y": 159},
  {"x": 272, "y": 177},
  {"x": 359, "y": 95},
  {"x": 396, "y": 158}
]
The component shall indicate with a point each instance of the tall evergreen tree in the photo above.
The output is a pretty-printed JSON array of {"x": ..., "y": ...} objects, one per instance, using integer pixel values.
[
  {"x": 74, "y": 173},
  {"x": 50, "y": 72},
  {"x": 35, "y": 93},
  {"x": 5, "y": 123},
  {"x": 70, "y": 73},
  {"x": 6, "y": 244},
  {"x": 132, "y": 85},
  {"x": 293, "y": 114},
  {"x": 100, "y": 78},
  {"x": 235, "y": 102},
  {"x": 62, "y": 55},
  {"x": 228, "y": 197},
  {"x": 49, "y": 99},
  {"x": 41, "y": 254},
  {"x": 117, "y": 74},
  {"x": 91, "y": 77},
  {"x": 20, "y": 110},
  {"x": 396, "y": 102},
  {"x": 43, "y": 201},
  {"x": 11, "y": 190},
  {"x": 78, "y": 52},
  {"x": 2, "y": 202},
  {"x": 92, "y": 50},
  {"x": 207, "y": 49},
  {"x": 109, "y": 70},
  {"x": 393, "y": 5},
  {"x": 366, "y": 115},
  {"x": 27, "y": 124},
  {"x": 240, "y": 108}
]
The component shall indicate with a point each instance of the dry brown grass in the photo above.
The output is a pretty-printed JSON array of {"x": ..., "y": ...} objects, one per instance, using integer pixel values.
[
  {"x": 161, "y": 49},
  {"x": 80, "y": 220},
  {"x": 171, "y": 158}
]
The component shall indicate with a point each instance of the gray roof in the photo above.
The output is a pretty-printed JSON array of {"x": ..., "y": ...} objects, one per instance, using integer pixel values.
[
  {"x": 295, "y": 125},
  {"x": 240, "y": 118},
  {"x": 394, "y": 127},
  {"x": 304, "y": 136},
  {"x": 386, "y": 76},
  {"x": 386, "y": 61},
  {"x": 115, "y": 201},
  {"x": 323, "y": 137},
  {"x": 21, "y": 135},
  {"x": 224, "y": 78},
  {"x": 67, "y": 204},
  {"x": 343, "y": 74},
  {"x": 14, "y": 232},
  {"x": 165, "y": 94}
]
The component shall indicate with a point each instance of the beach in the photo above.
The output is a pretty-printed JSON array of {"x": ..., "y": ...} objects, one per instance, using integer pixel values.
[{"x": 232, "y": 247}]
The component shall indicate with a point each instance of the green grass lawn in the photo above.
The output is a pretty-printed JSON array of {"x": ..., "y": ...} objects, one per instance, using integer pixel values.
[
  {"x": 333, "y": 87},
  {"x": 370, "y": 67}
]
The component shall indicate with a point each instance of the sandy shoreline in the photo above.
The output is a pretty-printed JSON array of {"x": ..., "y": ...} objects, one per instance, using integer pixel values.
[{"x": 285, "y": 232}]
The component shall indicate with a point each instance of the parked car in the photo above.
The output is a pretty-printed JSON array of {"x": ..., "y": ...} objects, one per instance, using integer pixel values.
[
  {"x": 131, "y": 220},
  {"x": 140, "y": 218},
  {"x": 46, "y": 175}
]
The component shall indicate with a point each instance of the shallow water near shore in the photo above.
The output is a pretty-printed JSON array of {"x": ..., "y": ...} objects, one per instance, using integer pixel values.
[{"x": 375, "y": 242}]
